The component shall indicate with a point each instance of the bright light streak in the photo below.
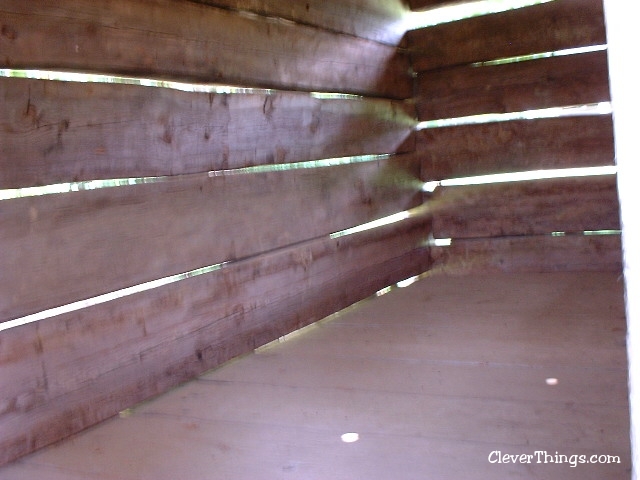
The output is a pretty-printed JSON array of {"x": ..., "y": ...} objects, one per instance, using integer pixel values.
[
  {"x": 107, "y": 297},
  {"x": 537, "y": 56},
  {"x": 409, "y": 281},
  {"x": 431, "y": 186},
  {"x": 396, "y": 217},
  {"x": 383, "y": 291},
  {"x": 601, "y": 232},
  {"x": 145, "y": 82},
  {"x": 461, "y": 11},
  {"x": 335, "y": 96},
  {"x": 278, "y": 167},
  {"x": 81, "y": 77},
  {"x": 521, "y": 176},
  {"x": 602, "y": 108},
  {"x": 11, "y": 193},
  {"x": 441, "y": 242}
]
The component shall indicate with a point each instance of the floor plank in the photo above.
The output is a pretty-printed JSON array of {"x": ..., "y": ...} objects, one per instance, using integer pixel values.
[{"x": 433, "y": 377}]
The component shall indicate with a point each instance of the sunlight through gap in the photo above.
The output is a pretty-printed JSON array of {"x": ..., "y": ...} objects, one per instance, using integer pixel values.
[
  {"x": 537, "y": 56},
  {"x": 602, "y": 108},
  {"x": 460, "y": 11},
  {"x": 12, "y": 193},
  {"x": 85, "y": 77},
  {"x": 107, "y": 297},
  {"x": 520, "y": 177}
]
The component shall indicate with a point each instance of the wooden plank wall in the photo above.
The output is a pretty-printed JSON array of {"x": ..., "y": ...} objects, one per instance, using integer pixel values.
[
  {"x": 208, "y": 44},
  {"x": 378, "y": 20},
  {"x": 265, "y": 236},
  {"x": 419, "y": 5},
  {"x": 509, "y": 226}
]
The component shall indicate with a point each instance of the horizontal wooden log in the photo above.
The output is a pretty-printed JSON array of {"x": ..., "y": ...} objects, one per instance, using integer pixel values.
[
  {"x": 516, "y": 146},
  {"x": 379, "y": 20},
  {"x": 530, "y": 254},
  {"x": 514, "y": 87},
  {"x": 526, "y": 208},
  {"x": 187, "y": 40},
  {"x": 65, "y": 131},
  {"x": 22, "y": 378},
  {"x": 426, "y": 4},
  {"x": 103, "y": 359},
  {"x": 56, "y": 249},
  {"x": 541, "y": 28}
]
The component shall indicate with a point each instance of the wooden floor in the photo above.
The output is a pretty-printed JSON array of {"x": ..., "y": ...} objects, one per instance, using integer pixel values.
[{"x": 433, "y": 377}]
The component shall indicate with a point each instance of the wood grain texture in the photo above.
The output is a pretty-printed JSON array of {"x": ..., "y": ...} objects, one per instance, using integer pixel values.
[
  {"x": 514, "y": 87},
  {"x": 22, "y": 378},
  {"x": 153, "y": 341},
  {"x": 186, "y": 40},
  {"x": 378, "y": 20},
  {"x": 516, "y": 146},
  {"x": 65, "y": 131},
  {"x": 541, "y": 28},
  {"x": 531, "y": 254},
  {"x": 61, "y": 248},
  {"x": 429, "y": 375},
  {"x": 526, "y": 208}
]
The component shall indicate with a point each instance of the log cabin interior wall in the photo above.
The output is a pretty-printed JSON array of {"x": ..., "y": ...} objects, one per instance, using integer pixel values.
[
  {"x": 519, "y": 63},
  {"x": 270, "y": 176}
]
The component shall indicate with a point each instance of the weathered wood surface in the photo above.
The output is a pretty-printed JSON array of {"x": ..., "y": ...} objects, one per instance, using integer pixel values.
[
  {"x": 516, "y": 146},
  {"x": 66, "y": 131},
  {"x": 379, "y": 20},
  {"x": 22, "y": 378},
  {"x": 541, "y": 28},
  {"x": 55, "y": 249},
  {"x": 531, "y": 254},
  {"x": 514, "y": 87},
  {"x": 183, "y": 39},
  {"x": 426, "y": 4},
  {"x": 526, "y": 208},
  {"x": 429, "y": 375},
  {"x": 98, "y": 361}
]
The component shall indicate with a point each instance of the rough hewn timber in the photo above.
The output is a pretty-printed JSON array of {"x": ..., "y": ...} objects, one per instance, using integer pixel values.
[
  {"x": 66, "y": 131},
  {"x": 531, "y": 254},
  {"x": 103, "y": 359},
  {"x": 513, "y": 87},
  {"x": 60, "y": 248},
  {"x": 516, "y": 146},
  {"x": 378, "y": 20},
  {"x": 186, "y": 40},
  {"x": 541, "y": 28},
  {"x": 526, "y": 208}
]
